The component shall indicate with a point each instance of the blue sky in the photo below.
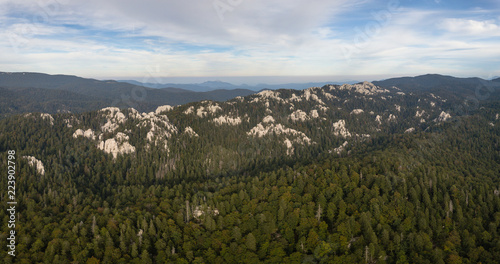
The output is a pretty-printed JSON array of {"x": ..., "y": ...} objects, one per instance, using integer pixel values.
[{"x": 251, "y": 41}]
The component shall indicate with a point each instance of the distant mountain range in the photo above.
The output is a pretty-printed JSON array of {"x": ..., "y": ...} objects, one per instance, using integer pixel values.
[
  {"x": 29, "y": 92},
  {"x": 37, "y": 92},
  {"x": 213, "y": 85},
  {"x": 444, "y": 85}
]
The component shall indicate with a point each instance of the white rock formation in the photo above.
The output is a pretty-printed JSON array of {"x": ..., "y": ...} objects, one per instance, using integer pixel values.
[
  {"x": 188, "y": 130},
  {"x": 299, "y": 115},
  {"x": 310, "y": 95},
  {"x": 391, "y": 117},
  {"x": 70, "y": 121},
  {"x": 87, "y": 133},
  {"x": 357, "y": 111},
  {"x": 443, "y": 117},
  {"x": 268, "y": 119},
  {"x": 410, "y": 130},
  {"x": 299, "y": 140},
  {"x": 209, "y": 109},
  {"x": 114, "y": 117},
  {"x": 289, "y": 146},
  {"x": 339, "y": 129},
  {"x": 198, "y": 211},
  {"x": 260, "y": 130},
  {"x": 329, "y": 96},
  {"x": 160, "y": 128},
  {"x": 32, "y": 161},
  {"x": 117, "y": 145},
  {"x": 201, "y": 111},
  {"x": 398, "y": 107},
  {"x": 294, "y": 98},
  {"x": 365, "y": 88},
  {"x": 267, "y": 94},
  {"x": 341, "y": 148},
  {"x": 221, "y": 120},
  {"x": 190, "y": 110},
  {"x": 163, "y": 108},
  {"x": 419, "y": 113},
  {"x": 48, "y": 117},
  {"x": 322, "y": 108}
]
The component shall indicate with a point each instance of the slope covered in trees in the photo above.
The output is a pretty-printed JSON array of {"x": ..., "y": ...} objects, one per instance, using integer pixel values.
[{"x": 264, "y": 178}]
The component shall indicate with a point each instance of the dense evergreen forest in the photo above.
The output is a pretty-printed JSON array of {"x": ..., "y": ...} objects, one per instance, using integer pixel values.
[{"x": 337, "y": 174}]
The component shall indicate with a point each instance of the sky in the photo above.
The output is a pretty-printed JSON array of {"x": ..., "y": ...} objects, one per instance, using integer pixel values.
[{"x": 251, "y": 41}]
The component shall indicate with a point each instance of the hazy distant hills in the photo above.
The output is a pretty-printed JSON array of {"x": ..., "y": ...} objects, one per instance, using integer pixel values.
[
  {"x": 444, "y": 85},
  {"x": 38, "y": 92},
  {"x": 213, "y": 85},
  {"x": 30, "y": 92}
]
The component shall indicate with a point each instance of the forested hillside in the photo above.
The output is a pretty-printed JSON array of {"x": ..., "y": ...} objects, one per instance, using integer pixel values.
[
  {"x": 332, "y": 174},
  {"x": 22, "y": 92}
]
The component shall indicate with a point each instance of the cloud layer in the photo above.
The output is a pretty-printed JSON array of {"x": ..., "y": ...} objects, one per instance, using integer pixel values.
[{"x": 111, "y": 39}]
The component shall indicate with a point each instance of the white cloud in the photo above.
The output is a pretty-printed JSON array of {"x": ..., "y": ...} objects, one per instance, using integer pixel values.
[
  {"x": 471, "y": 27},
  {"x": 256, "y": 37}
]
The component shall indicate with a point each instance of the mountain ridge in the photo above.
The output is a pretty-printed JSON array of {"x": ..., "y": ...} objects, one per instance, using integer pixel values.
[
  {"x": 282, "y": 169},
  {"x": 107, "y": 92}
]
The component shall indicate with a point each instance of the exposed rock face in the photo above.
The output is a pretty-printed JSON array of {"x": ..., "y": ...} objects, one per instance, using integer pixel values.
[
  {"x": 310, "y": 95},
  {"x": 190, "y": 110},
  {"x": 114, "y": 117},
  {"x": 48, "y": 117},
  {"x": 419, "y": 113},
  {"x": 365, "y": 88},
  {"x": 32, "y": 161},
  {"x": 266, "y": 95},
  {"x": 410, "y": 130},
  {"x": 117, "y": 145},
  {"x": 163, "y": 108},
  {"x": 314, "y": 114},
  {"x": 300, "y": 115},
  {"x": 160, "y": 128},
  {"x": 443, "y": 117},
  {"x": 378, "y": 119},
  {"x": 357, "y": 111},
  {"x": 339, "y": 129},
  {"x": 204, "y": 111},
  {"x": 87, "y": 133},
  {"x": 341, "y": 148},
  {"x": 300, "y": 138},
  {"x": 227, "y": 120},
  {"x": 268, "y": 119},
  {"x": 71, "y": 121},
  {"x": 190, "y": 131},
  {"x": 261, "y": 130},
  {"x": 198, "y": 211}
]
